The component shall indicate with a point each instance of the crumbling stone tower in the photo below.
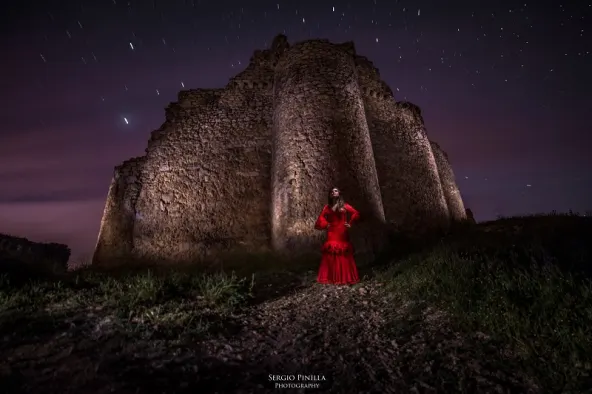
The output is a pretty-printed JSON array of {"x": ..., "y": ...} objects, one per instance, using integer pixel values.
[
  {"x": 320, "y": 139},
  {"x": 247, "y": 167}
]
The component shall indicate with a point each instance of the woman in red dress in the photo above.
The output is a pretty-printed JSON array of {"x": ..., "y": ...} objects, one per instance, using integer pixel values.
[{"x": 337, "y": 264}]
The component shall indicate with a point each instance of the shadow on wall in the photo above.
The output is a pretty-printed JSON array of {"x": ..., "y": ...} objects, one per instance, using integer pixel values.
[{"x": 21, "y": 255}]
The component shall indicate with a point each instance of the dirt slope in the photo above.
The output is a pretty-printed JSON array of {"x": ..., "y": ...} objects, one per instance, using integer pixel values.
[{"x": 354, "y": 338}]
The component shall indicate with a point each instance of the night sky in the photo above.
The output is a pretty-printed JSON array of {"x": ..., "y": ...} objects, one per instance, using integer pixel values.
[{"x": 504, "y": 86}]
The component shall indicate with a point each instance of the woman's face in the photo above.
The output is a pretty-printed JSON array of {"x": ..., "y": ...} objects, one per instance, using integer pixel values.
[{"x": 335, "y": 192}]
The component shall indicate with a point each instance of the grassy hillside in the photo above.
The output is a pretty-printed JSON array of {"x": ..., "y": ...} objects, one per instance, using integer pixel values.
[
  {"x": 520, "y": 285},
  {"x": 525, "y": 281}
]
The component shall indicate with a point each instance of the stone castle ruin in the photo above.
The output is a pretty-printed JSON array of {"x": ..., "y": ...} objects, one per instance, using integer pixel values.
[{"x": 248, "y": 167}]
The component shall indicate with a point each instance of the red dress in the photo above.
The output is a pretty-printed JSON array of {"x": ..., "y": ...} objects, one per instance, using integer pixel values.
[{"x": 337, "y": 264}]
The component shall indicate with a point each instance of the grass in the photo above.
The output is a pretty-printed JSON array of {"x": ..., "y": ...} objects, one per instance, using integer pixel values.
[
  {"x": 524, "y": 281},
  {"x": 142, "y": 302},
  {"x": 146, "y": 302}
]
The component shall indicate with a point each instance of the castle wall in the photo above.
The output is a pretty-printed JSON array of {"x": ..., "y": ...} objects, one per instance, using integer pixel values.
[
  {"x": 321, "y": 140},
  {"x": 206, "y": 181},
  {"x": 114, "y": 244},
  {"x": 453, "y": 197},
  {"x": 374, "y": 89},
  {"x": 250, "y": 165},
  {"x": 412, "y": 193}
]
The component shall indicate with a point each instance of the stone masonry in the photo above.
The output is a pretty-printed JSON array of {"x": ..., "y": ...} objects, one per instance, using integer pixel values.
[
  {"x": 454, "y": 201},
  {"x": 247, "y": 168}
]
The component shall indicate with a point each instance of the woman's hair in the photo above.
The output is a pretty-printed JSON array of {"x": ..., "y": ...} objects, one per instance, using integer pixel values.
[{"x": 332, "y": 200}]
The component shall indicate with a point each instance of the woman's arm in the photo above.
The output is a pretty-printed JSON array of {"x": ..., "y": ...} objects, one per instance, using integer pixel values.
[
  {"x": 355, "y": 215},
  {"x": 322, "y": 222}
]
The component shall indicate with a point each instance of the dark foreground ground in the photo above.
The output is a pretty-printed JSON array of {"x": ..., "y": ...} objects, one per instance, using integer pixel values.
[{"x": 505, "y": 307}]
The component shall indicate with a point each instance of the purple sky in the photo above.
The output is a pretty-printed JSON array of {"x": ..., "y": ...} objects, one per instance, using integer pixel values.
[{"x": 505, "y": 89}]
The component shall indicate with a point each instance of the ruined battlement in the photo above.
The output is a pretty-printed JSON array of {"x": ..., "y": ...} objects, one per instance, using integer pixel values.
[
  {"x": 130, "y": 170},
  {"x": 134, "y": 162},
  {"x": 370, "y": 81},
  {"x": 196, "y": 98},
  {"x": 246, "y": 167},
  {"x": 411, "y": 111},
  {"x": 366, "y": 65},
  {"x": 406, "y": 105}
]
